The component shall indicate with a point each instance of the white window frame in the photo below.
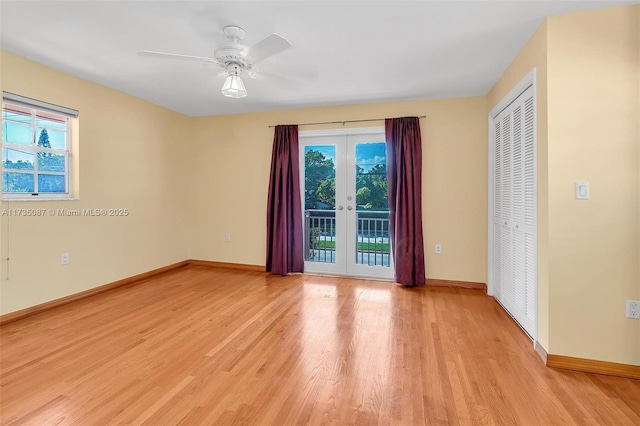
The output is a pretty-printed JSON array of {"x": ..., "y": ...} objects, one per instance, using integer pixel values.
[{"x": 36, "y": 106}]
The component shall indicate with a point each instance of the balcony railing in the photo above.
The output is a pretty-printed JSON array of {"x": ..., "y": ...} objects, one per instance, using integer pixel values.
[{"x": 372, "y": 243}]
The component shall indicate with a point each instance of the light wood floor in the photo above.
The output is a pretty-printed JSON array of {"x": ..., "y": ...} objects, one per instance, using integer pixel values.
[{"x": 206, "y": 346}]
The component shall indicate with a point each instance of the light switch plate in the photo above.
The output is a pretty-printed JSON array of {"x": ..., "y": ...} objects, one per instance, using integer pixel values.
[{"x": 582, "y": 190}]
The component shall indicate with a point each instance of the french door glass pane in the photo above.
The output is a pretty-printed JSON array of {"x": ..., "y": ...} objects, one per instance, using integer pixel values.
[
  {"x": 320, "y": 203},
  {"x": 372, "y": 205}
]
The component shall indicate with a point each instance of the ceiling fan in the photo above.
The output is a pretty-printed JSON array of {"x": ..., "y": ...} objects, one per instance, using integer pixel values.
[{"x": 234, "y": 57}]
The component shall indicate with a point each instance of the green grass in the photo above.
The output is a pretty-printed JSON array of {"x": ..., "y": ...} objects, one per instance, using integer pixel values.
[{"x": 362, "y": 246}]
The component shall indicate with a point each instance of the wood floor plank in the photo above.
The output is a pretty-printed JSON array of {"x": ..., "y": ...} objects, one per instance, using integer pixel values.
[{"x": 217, "y": 346}]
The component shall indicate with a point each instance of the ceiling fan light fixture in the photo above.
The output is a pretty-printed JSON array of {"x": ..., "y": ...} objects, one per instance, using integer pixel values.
[
  {"x": 234, "y": 57},
  {"x": 233, "y": 87}
]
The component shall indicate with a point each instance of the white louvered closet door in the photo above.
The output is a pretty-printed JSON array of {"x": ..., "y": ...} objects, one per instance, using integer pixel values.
[
  {"x": 497, "y": 209},
  {"x": 530, "y": 227},
  {"x": 507, "y": 210},
  {"x": 514, "y": 233}
]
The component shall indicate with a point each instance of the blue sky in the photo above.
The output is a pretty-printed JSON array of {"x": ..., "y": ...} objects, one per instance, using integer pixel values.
[
  {"x": 20, "y": 134},
  {"x": 367, "y": 154},
  {"x": 371, "y": 154},
  {"x": 328, "y": 151}
]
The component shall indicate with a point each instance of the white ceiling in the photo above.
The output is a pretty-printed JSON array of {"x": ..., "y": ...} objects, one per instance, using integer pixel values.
[{"x": 343, "y": 52}]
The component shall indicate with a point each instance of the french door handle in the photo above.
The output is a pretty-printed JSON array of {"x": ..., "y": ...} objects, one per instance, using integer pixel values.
[
  {"x": 349, "y": 208},
  {"x": 340, "y": 208}
]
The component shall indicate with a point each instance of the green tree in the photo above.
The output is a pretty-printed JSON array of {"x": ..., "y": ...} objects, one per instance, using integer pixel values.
[
  {"x": 320, "y": 184},
  {"x": 49, "y": 162},
  {"x": 326, "y": 192},
  {"x": 363, "y": 196},
  {"x": 372, "y": 188},
  {"x": 319, "y": 172},
  {"x": 43, "y": 140}
]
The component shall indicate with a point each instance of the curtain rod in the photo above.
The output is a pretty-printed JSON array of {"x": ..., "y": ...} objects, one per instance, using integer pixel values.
[{"x": 345, "y": 121}]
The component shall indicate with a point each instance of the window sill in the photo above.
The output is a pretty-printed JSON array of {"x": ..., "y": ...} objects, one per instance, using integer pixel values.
[{"x": 31, "y": 200}]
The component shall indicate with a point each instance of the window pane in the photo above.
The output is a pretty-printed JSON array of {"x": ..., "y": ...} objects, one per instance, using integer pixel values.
[
  {"x": 16, "y": 113},
  {"x": 48, "y": 162},
  {"x": 51, "y": 121},
  {"x": 15, "y": 133},
  {"x": 17, "y": 182},
  {"x": 320, "y": 177},
  {"x": 51, "y": 139},
  {"x": 51, "y": 183},
  {"x": 18, "y": 160},
  {"x": 371, "y": 177}
]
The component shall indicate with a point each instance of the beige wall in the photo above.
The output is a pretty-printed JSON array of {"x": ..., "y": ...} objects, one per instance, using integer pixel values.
[
  {"x": 230, "y": 162},
  {"x": 188, "y": 181},
  {"x": 139, "y": 156},
  {"x": 588, "y": 115},
  {"x": 133, "y": 157},
  {"x": 534, "y": 55},
  {"x": 593, "y": 101}
]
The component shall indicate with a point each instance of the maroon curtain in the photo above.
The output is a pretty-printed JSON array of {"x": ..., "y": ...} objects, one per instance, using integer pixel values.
[
  {"x": 404, "y": 173},
  {"x": 284, "y": 206}
]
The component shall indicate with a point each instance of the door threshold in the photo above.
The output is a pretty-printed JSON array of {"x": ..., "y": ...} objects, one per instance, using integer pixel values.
[{"x": 356, "y": 277}]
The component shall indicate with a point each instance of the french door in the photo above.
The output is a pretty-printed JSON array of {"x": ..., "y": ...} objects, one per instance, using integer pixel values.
[{"x": 346, "y": 210}]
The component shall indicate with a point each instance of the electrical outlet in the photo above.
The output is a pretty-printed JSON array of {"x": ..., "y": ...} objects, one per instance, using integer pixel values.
[
  {"x": 633, "y": 309},
  {"x": 438, "y": 249},
  {"x": 64, "y": 259},
  {"x": 227, "y": 237}
]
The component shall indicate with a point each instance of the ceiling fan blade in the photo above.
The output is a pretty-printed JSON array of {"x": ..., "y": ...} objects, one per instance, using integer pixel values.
[
  {"x": 269, "y": 46},
  {"x": 174, "y": 56}
]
